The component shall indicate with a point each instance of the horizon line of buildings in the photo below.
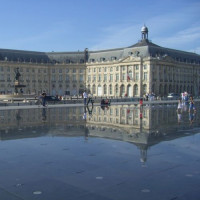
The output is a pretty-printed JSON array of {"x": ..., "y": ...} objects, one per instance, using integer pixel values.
[{"x": 133, "y": 71}]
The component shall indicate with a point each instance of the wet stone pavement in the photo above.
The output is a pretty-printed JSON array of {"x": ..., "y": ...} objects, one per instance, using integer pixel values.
[{"x": 121, "y": 152}]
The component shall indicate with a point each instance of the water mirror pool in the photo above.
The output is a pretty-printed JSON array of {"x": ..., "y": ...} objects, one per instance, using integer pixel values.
[{"x": 119, "y": 152}]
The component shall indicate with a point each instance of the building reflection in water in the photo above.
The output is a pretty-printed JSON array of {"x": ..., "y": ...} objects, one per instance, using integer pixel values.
[{"x": 144, "y": 126}]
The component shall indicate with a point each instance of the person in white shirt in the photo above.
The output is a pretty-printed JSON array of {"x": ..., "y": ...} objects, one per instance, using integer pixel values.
[{"x": 85, "y": 96}]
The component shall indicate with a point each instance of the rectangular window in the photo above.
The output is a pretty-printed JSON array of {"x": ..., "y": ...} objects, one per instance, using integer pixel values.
[
  {"x": 99, "y": 78},
  {"x": 60, "y": 77},
  {"x": 67, "y": 77},
  {"x": 53, "y": 78},
  {"x": 111, "y": 77},
  {"x": 136, "y": 67},
  {"x": 8, "y": 77},
  {"x": 136, "y": 76},
  {"x": 81, "y": 77},
  {"x": 2, "y": 77},
  {"x": 124, "y": 76},
  {"x": 74, "y": 71},
  {"x": 74, "y": 77},
  {"x": 105, "y": 77},
  {"x": 145, "y": 76},
  {"x": 116, "y": 77},
  {"x": 116, "y": 112}
]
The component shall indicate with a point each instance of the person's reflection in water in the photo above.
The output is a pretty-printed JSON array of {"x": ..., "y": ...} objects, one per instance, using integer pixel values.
[
  {"x": 90, "y": 109},
  {"x": 179, "y": 116},
  {"x": 143, "y": 155},
  {"x": 85, "y": 118},
  {"x": 179, "y": 111},
  {"x": 192, "y": 117},
  {"x": 86, "y": 132},
  {"x": 103, "y": 107},
  {"x": 85, "y": 114},
  {"x": 18, "y": 115},
  {"x": 44, "y": 114}
]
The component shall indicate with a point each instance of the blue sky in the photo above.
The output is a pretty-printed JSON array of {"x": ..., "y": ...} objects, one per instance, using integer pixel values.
[{"x": 72, "y": 25}]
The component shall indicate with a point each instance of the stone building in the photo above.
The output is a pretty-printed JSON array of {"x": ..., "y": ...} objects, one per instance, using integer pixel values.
[
  {"x": 132, "y": 71},
  {"x": 142, "y": 68}
]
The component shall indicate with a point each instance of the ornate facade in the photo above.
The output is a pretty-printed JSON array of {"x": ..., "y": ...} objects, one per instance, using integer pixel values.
[{"x": 132, "y": 71}]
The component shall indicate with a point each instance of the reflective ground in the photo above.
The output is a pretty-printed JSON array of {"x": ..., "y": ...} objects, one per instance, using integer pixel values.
[{"x": 121, "y": 152}]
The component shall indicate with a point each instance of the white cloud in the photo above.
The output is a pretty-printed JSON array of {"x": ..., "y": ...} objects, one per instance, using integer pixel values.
[
  {"x": 176, "y": 29},
  {"x": 182, "y": 39},
  {"x": 118, "y": 36}
]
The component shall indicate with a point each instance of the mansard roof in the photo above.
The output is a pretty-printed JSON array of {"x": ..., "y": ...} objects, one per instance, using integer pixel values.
[
  {"x": 41, "y": 57},
  {"x": 144, "y": 48},
  {"x": 23, "y": 56}
]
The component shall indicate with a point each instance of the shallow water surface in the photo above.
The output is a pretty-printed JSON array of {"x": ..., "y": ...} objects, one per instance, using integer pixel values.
[{"x": 120, "y": 152}]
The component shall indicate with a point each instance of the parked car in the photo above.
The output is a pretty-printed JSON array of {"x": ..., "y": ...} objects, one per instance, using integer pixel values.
[
  {"x": 173, "y": 96},
  {"x": 52, "y": 98}
]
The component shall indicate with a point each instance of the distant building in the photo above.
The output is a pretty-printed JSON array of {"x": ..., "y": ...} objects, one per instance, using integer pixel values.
[{"x": 132, "y": 71}]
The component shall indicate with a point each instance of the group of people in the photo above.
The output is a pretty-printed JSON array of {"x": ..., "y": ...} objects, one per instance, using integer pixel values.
[
  {"x": 87, "y": 98},
  {"x": 186, "y": 104},
  {"x": 150, "y": 97}
]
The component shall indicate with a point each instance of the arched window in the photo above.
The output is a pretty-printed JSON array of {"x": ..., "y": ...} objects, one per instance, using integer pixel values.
[
  {"x": 160, "y": 89},
  {"x": 165, "y": 90},
  {"x": 105, "y": 90},
  {"x": 136, "y": 90},
  {"x": 110, "y": 89},
  {"x": 122, "y": 90},
  {"x": 144, "y": 89},
  {"x": 89, "y": 89},
  {"x": 170, "y": 88},
  {"x": 93, "y": 89},
  {"x": 116, "y": 90}
]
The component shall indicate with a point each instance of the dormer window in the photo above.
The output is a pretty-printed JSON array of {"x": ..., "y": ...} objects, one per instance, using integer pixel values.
[
  {"x": 130, "y": 53},
  {"x": 102, "y": 59},
  {"x": 81, "y": 61},
  {"x": 92, "y": 60},
  {"x": 113, "y": 58}
]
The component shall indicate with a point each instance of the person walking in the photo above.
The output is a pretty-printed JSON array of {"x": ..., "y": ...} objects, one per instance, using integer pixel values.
[
  {"x": 44, "y": 98},
  {"x": 85, "y": 96},
  {"x": 191, "y": 105},
  {"x": 90, "y": 99}
]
